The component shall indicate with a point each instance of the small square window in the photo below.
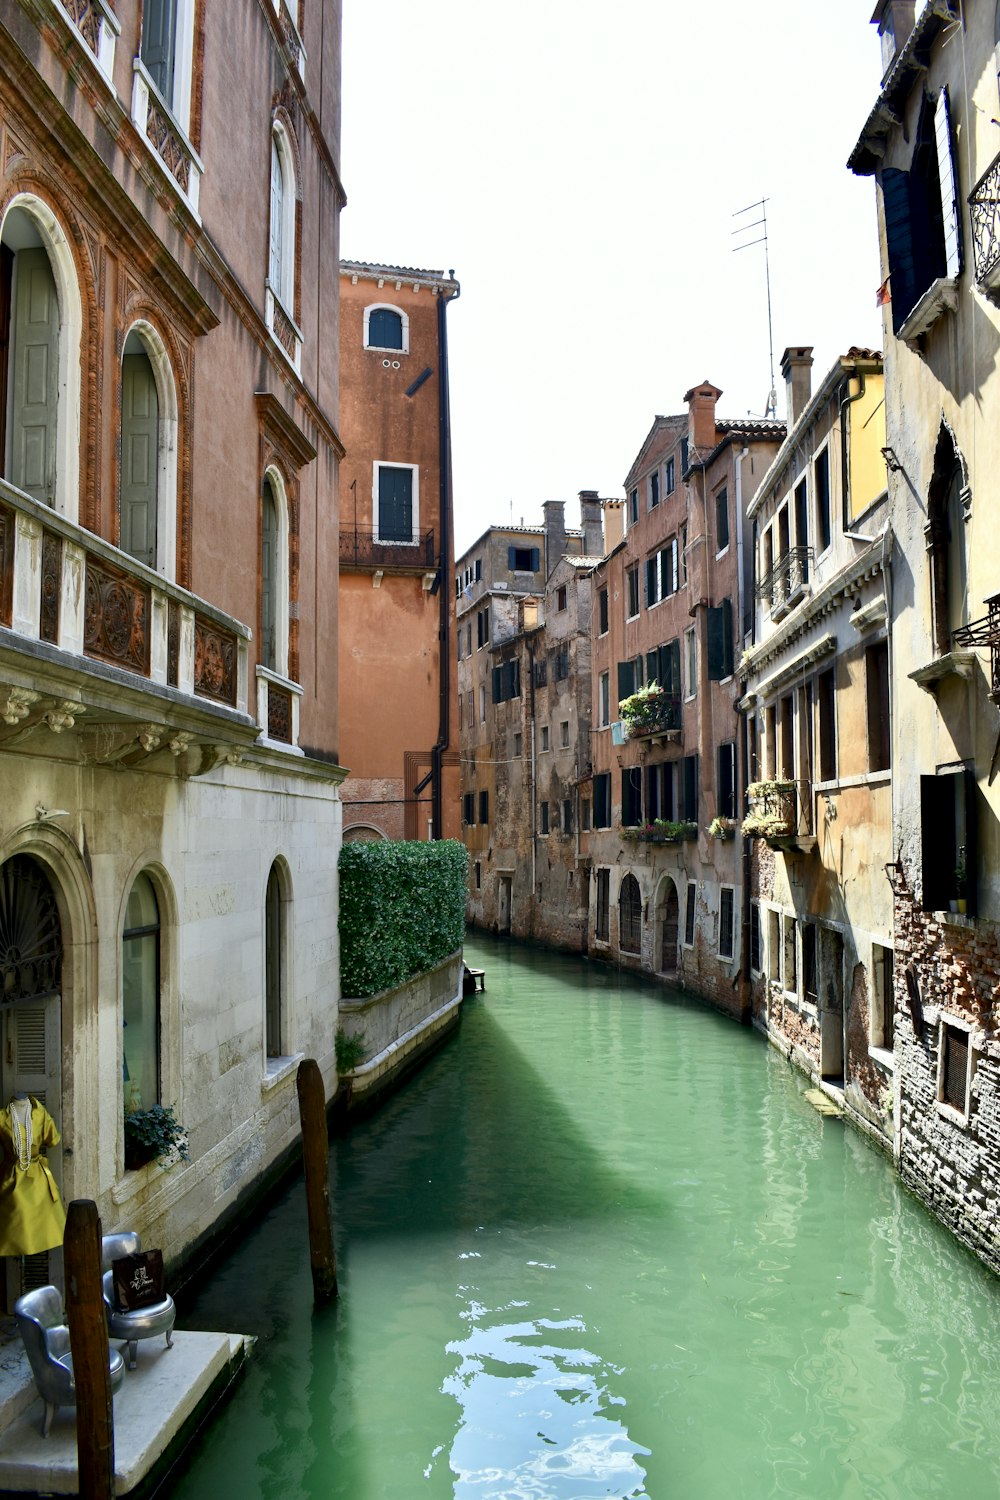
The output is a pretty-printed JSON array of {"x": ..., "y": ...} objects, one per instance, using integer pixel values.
[{"x": 517, "y": 742}]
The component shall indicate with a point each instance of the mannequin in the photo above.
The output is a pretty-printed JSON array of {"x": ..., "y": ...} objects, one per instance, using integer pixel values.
[{"x": 32, "y": 1216}]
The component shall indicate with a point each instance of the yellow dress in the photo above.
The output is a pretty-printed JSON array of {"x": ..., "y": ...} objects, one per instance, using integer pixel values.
[{"x": 32, "y": 1216}]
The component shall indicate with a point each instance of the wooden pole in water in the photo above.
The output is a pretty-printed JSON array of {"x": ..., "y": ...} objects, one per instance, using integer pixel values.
[
  {"x": 88, "y": 1338},
  {"x": 316, "y": 1166}
]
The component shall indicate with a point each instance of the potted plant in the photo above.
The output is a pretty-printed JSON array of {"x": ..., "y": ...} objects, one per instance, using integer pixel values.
[
  {"x": 722, "y": 828},
  {"x": 154, "y": 1134}
]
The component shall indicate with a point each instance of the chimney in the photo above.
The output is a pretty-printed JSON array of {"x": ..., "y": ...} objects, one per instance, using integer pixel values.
[
  {"x": 614, "y": 523},
  {"x": 591, "y": 524},
  {"x": 795, "y": 366},
  {"x": 555, "y": 533},
  {"x": 894, "y": 19},
  {"x": 701, "y": 401}
]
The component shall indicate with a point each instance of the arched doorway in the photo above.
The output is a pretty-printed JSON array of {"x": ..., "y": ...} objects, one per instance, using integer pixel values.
[
  {"x": 31, "y": 951},
  {"x": 667, "y": 920}
]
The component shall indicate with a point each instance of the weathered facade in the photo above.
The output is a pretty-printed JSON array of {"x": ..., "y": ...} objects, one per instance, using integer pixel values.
[
  {"x": 816, "y": 676},
  {"x": 170, "y": 819},
  {"x": 524, "y": 632},
  {"x": 666, "y": 779},
  {"x": 398, "y": 680},
  {"x": 930, "y": 143}
]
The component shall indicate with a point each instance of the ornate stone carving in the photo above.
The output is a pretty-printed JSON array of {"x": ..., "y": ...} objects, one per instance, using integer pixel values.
[
  {"x": 214, "y": 662},
  {"x": 284, "y": 331},
  {"x": 17, "y": 705},
  {"x": 116, "y": 619},
  {"x": 149, "y": 737},
  {"x": 63, "y": 715},
  {"x": 166, "y": 143},
  {"x": 87, "y": 19},
  {"x": 173, "y": 642},
  {"x": 179, "y": 743},
  {"x": 52, "y": 549},
  {"x": 279, "y": 714}
]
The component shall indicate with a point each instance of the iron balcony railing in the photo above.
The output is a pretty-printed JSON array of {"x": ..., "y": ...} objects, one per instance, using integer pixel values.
[
  {"x": 780, "y": 809},
  {"x": 363, "y": 549},
  {"x": 787, "y": 579},
  {"x": 984, "y": 216},
  {"x": 984, "y": 632},
  {"x": 660, "y": 714}
]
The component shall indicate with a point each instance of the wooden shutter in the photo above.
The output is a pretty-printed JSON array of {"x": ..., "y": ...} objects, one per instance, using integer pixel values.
[
  {"x": 36, "y": 365},
  {"x": 671, "y": 679},
  {"x": 536, "y": 559},
  {"x": 626, "y": 679},
  {"x": 497, "y": 685},
  {"x": 159, "y": 30},
  {"x": 899, "y": 242},
  {"x": 385, "y": 329},
  {"x": 140, "y": 445},
  {"x": 720, "y": 641},
  {"x": 395, "y": 504},
  {"x": 690, "y": 811},
  {"x": 949, "y": 190},
  {"x": 651, "y": 581},
  {"x": 268, "y": 580},
  {"x": 274, "y": 267},
  {"x": 653, "y": 667}
]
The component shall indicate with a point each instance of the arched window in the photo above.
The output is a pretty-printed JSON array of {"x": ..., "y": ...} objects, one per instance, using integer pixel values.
[
  {"x": 274, "y": 944},
  {"x": 629, "y": 916},
  {"x": 281, "y": 254},
  {"x": 947, "y": 551},
  {"x": 141, "y": 997},
  {"x": 140, "y": 450},
  {"x": 274, "y": 575},
  {"x": 387, "y": 328}
]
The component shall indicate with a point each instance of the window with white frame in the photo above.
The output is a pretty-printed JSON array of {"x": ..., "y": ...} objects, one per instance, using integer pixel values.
[
  {"x": 281, "y": 245},
  {"x": 882, "y": 1002},
  {"x": 632, "y": 591},
  {"x": 774, "y": 945},
  {"x": 141, "y": 996},
  {"x": 388, "y": 327},
  {"x": 395, "y": 502},
  {"x": 690, "y": 663},
  {"x": 147, "y": 497},
  {"x": 166, "y": 49},
  {"x": 274, "y": 602},
  {"x": 274, "y": 965},
  {"x": 727, "y": 912},
  {"x": 604, "y": 700}
]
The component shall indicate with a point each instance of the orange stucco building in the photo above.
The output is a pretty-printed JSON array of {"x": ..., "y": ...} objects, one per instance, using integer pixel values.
[{"x": 398, "y": 679}]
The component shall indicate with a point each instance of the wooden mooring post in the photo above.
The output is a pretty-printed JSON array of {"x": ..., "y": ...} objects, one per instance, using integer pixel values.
[
  {"x": 316, "y": 1166},
  {"x": 88, "y": 1339}
]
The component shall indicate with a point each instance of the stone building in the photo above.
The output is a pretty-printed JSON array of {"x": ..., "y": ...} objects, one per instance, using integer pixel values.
[
  {"x": 170, "y": 819},
  {"x": 666, "y": 779},
  {"x": 397, "y": 666},
  {"x": 930, "y": 143},
  {"x": 816, "y": 695},
  {"x": 524, "y": 633}
]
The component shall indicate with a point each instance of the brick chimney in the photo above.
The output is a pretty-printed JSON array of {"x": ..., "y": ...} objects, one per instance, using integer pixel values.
[
  {"x": 701, "y": 401},
  {"x": 894, "y": 19},
  {"x": 614, "y": 523},
  {"x": 591, "y": 524},
  {"x": 796, "y": 363},
  {"x": 555, "y": 532}
]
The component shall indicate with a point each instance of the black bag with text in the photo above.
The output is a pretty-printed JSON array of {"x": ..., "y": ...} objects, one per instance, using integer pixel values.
[{"x": 138, "y": 1280}]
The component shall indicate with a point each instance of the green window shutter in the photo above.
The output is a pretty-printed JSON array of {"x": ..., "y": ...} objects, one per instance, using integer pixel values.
[
  {"x": 497, "y": 685},
  {"x": 653, "y": 667},
  {"x": 720, "y": 641},
  {"x": 35, "y": 371},
  {"x": 727, "y": 638},
  {"x": 536, "y": 559},
  {"x": 899, "y": 242},
  {"x": 140, "y": 433},
  {"x": 385, "y": 329},
  {"x": 626, "y": 679},
  {"x": 395, "y": 504}
]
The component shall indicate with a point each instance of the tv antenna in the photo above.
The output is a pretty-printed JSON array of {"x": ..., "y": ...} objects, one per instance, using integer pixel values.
[{"x": 761, "y": 223}]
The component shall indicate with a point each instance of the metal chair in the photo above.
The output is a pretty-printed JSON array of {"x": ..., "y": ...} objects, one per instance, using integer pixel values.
[
  {"x": 145, "y": 1322},
  {"x": 41, "y": 1321}
]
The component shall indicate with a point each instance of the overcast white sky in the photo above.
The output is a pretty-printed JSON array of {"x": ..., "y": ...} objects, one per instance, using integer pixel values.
[{"x": 578, "y": 164}]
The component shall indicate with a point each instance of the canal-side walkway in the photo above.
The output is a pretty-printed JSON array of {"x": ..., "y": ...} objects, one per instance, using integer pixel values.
[{"x": 159, "y": 1407}]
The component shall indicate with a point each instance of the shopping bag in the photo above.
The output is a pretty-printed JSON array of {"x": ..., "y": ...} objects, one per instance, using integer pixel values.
[{"x": 138, "y": 1280}]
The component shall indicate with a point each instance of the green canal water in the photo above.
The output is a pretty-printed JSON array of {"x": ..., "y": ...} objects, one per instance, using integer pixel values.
[{"x": 603, "y": 1246}]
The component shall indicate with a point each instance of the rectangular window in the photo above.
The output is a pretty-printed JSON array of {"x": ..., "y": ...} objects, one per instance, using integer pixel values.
[
  {"x": 789, "y": 971},
  {"x": 825, "y": 686},
  {"x": 727, "y": 909},
  {"x": 774, "y": 945},
  {"x": 923, "y": 238},
  {"x": 690, "y": 662},
  {"x": 564, "y": 733},
  {"x": 720, "y": 641},
  {"x": 801, "y": 527},
  {"x": 567, "y": 816},
  {"x": 821, "y": 489},
  {"x": 545, "y": 736},
  {"x": 668, "y": 569},
  {"x": 482, "y": 703},
  {"x": 479, "y": 876},
  {"x": 722, "y": 520},
  {"x": 629, "y": 677},
  {"x": 604, "y": 700},
  {"x": 755, "y": 938},
  {"x": 652, "y": 581},
  {"x": 396, "y": 496},
  {"x": 631, "y": 796},
  {"x": 585, "y": 814},
  {"x": 523, "y": 559},
  {"x": 468, "y": 639},
  {"x": 689, "y": 915},
  {"x": 560, "y": 664},
  {"x": 684, "y": 456},
  {"x": 948, "y": 839},
  {"x": 484, "y": 806},
  {"x": 460, "y": 643},
  {"x": 689, "y": 772},
  {"x": 561, "y": 598},
  {"x": 726, "y": 782},
  {"x": 482, "y": 627},
  {"x": 461, "y": 697},
  {"x": 883, "y": 1001},
  {"x": 877, "y": 681},
  {"x": 602, "y": 800},
  {"x": 633, "y": 507},
  {"x": 671, "y": 484},
  {"x": 654, "y": 490},
  {"x": 684, "y": 555},
  {"x": 810, "y": 979},
  {"x": 632, "y": 591},
  {"x": 541, "y": 672},
  {"x": 543, "y": 816},
  {"x": 507, "y": 680},
  {"x": 469, "y": 808},
  {"x": 517, "y": 743},
  {"x": 602, "y": 926},
  {"x": 953, "y": 1067},
  {"x": 602, "y": 611}
]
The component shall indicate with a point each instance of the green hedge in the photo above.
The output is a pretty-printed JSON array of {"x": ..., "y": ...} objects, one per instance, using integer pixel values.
[{"x": 402, "y": 910}]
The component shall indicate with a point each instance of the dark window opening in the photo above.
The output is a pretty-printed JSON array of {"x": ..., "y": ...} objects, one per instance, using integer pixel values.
[{"x": 630, "y": 916}]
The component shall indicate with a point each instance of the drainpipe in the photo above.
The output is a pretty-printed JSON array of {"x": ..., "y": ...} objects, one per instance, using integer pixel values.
[
  {"x": 745, "y": 861},
  {"x": 443, "y": 561}
]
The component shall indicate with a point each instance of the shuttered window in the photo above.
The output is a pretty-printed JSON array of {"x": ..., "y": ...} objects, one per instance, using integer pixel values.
[
  {"x": 953, "y": 1087},
  {"x": 630, "y": 916},
  {"x": 158, "y": 45},
  {"x": 720, "y": 641},
  {"x": 395, "y": 504},
  {"x": 385, "y": 328}
]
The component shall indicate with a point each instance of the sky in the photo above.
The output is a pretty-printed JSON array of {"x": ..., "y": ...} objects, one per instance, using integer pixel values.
[{"x": 580, "y": 167}]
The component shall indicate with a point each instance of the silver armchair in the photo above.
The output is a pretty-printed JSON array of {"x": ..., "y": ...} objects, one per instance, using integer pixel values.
[
  {"x": 41, "y": 1321},
  {"x": 145, "y": 1322}
]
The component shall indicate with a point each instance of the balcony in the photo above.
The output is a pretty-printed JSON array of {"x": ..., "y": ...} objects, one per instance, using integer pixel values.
[
  {"x": 787, "y": 582},
  {"x": 93, "y": 641},
  {"x": 363, "y": 549},
  {"x": 984, "y": 216},
  {"x": 781, "y": 813},
  {"x": 651, "y": 714},
  {"x": 984, "y": 632}
]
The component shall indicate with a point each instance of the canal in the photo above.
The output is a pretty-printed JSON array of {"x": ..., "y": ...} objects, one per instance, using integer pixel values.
[{"x": 602, "y": 1245}]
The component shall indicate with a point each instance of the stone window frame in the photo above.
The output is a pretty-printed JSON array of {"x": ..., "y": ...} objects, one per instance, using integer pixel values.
[
  {"x": 163, "y": 363},
  {"x": 729, "y": 957},
  {"x": 405, "y": 320},
  {"x": 947, "y": 1019}
]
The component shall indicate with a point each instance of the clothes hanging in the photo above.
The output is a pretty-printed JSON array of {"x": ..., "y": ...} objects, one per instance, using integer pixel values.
[{"x": 32, "y": 1216}]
